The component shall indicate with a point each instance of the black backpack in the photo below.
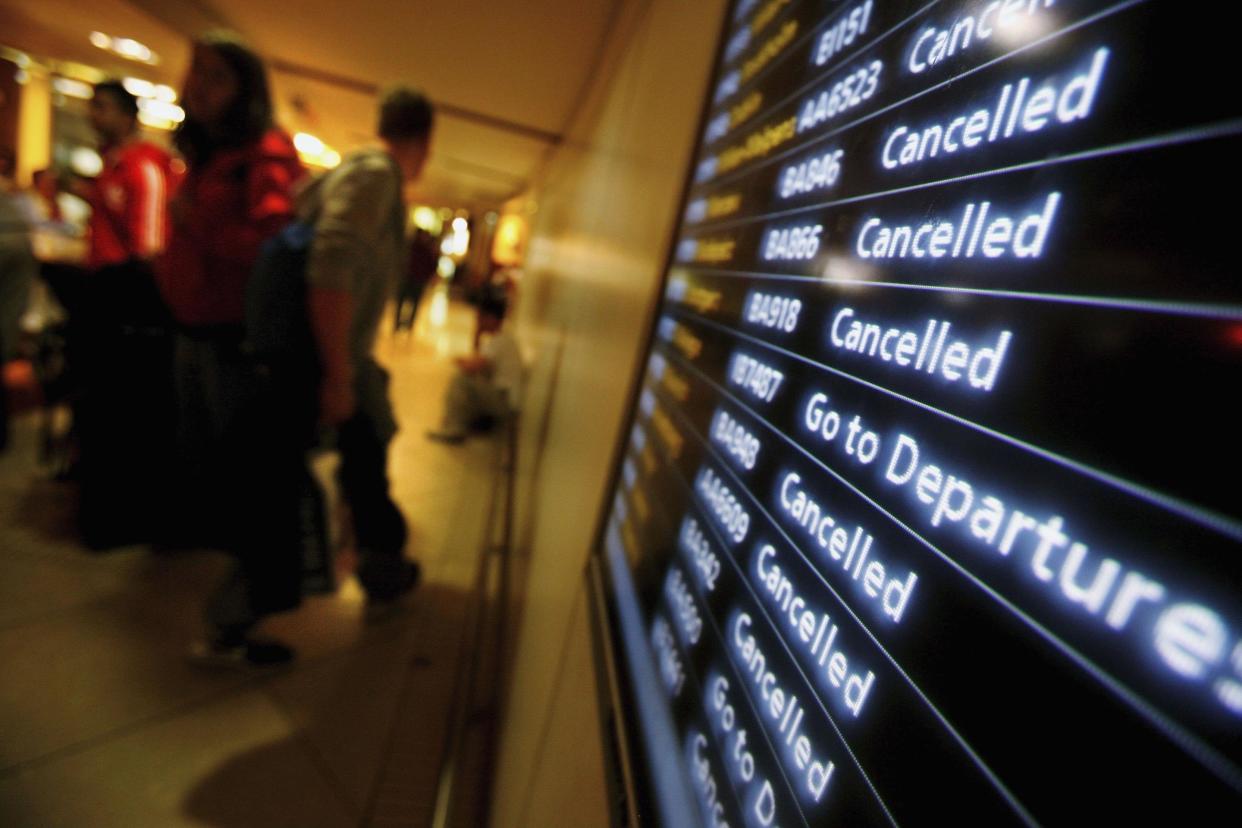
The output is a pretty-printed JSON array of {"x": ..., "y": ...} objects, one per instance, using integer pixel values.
[{"x": 277, "y": 320}]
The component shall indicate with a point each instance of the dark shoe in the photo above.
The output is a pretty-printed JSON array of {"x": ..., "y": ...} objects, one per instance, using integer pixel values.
[
  {"x": 384, "y": 607},
  {"x": 246, "y": 654},
  {"x": 483, "y": 424}
]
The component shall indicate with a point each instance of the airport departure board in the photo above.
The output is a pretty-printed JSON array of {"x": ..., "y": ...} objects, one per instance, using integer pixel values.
[{"x": 930, "y": 506}]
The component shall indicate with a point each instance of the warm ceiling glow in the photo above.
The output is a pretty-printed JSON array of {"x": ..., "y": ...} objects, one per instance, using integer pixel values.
[
  {"x": 315, "y": 152},
  {"x": 125, "y": 47},
  {"x": 73, "y": 88},
  {"x": 85, "y": 161},
  {"x": 507, "y": 249},
  {"x": 307, "y": 143},
  {"x": 161, "y": 110},
  {"x": 139, "y": 88},
  {"x": 427, "y": 219}
]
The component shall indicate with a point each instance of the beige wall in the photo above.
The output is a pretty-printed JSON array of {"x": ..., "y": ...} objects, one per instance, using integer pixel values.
[{"x": 604, "y": 214}]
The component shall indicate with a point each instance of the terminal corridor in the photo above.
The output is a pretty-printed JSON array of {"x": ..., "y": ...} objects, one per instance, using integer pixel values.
[{"x": 99, "y": 699}]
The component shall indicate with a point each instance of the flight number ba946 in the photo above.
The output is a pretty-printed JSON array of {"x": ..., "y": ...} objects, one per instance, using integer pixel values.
[{"x": 818, "y": 173}]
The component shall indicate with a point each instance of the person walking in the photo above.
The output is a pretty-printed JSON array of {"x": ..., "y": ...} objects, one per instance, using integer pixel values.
[{"x": 355, "y": 260}]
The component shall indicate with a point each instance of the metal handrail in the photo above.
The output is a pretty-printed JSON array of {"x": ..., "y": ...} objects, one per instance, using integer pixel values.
[{"x": 464, "y": 714}]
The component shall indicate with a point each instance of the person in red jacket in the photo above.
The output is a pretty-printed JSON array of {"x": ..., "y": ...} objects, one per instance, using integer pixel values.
[
  {"x": 118, "y": 350},
  {"x": 129, "y": 199},
  {"x": 237, "y": 193}
]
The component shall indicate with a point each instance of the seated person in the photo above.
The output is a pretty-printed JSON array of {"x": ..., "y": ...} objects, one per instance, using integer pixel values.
[{"x": 488, "y": 385}]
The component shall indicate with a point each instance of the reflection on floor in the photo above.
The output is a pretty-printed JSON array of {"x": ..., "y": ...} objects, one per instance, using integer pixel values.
[{"x": 104, "y": 723}]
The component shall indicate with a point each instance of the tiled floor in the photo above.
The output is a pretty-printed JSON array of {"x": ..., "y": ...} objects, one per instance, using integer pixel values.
[{"x": 104, "y": 723}]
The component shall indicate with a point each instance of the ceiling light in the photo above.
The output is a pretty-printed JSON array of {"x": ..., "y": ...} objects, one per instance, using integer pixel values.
[
  {"x": 165, "y": 93},
  {"x": 315, "y": 152},
  {"x": 139, "y": 88},
  {"x": 307, "y": 144},
  {"x": 73, "y": 88},
  {"x": 161, "y": 110},
  {"x": 147, "y": 119},
  {"x": 426, "y": 218},
  {"x": 85, "y": 162},
  {"x": 126, "y": 47}
]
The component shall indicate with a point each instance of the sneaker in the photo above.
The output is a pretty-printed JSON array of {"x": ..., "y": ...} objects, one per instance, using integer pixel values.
[
  {"x": 449, "y": 438},
  {"x": 247, "y": 654},
  {"x": 381, "y": 609}
]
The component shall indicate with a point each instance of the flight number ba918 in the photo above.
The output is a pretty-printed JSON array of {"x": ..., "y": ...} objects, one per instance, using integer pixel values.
[{"x": 773, "y": 311}]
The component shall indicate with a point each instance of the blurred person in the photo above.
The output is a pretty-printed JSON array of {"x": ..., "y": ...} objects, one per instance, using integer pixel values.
[
  {"x": 419, "y": 270},
  {"x": 44, "y": 192},
  {"x": 129, "y": 198},
  {"x": 487, "y": 385},
  {"x": 237, "y": 192},
  {"x": 119, "y": 347},
  {"x": 497, "y": 285},
  {"x": 357, "y": 255},
  {"x": 17, "y": 271},
  {"x": 8, "y": 163},
  {"x": 58, "y": 219}
]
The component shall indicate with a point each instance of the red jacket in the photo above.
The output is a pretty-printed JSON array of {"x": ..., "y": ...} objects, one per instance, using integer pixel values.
[
  {"x": 129, "y": 204},
  {"x": 223, "y": 213}
]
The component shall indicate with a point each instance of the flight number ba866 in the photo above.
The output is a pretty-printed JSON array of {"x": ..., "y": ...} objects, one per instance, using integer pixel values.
[{"x": 792, "y": 244}]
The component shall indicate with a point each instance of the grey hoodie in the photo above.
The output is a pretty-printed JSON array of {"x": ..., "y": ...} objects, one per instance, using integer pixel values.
[
  {"x": 359, "y": 242},
  {"x": 359, "y": 237}
]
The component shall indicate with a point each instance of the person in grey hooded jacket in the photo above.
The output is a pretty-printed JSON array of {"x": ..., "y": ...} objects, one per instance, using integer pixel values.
[{"x": 352, "y": 271}]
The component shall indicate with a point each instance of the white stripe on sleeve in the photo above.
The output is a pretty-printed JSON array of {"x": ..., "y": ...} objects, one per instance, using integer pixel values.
[{"x": 150, "y": 231}]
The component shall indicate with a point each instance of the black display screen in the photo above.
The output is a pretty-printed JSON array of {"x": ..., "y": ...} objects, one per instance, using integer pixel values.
[{"x": 929, "y": 509}]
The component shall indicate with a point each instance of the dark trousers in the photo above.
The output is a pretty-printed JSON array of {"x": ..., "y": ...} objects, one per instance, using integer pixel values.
[
  {"x": 408, "y": 294},
  {"x": 262, "y": 507},
  {"x": 279, "y": 505},
  {"x": 379, "y": 527},
  {"x": 119, "y": 379}
]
